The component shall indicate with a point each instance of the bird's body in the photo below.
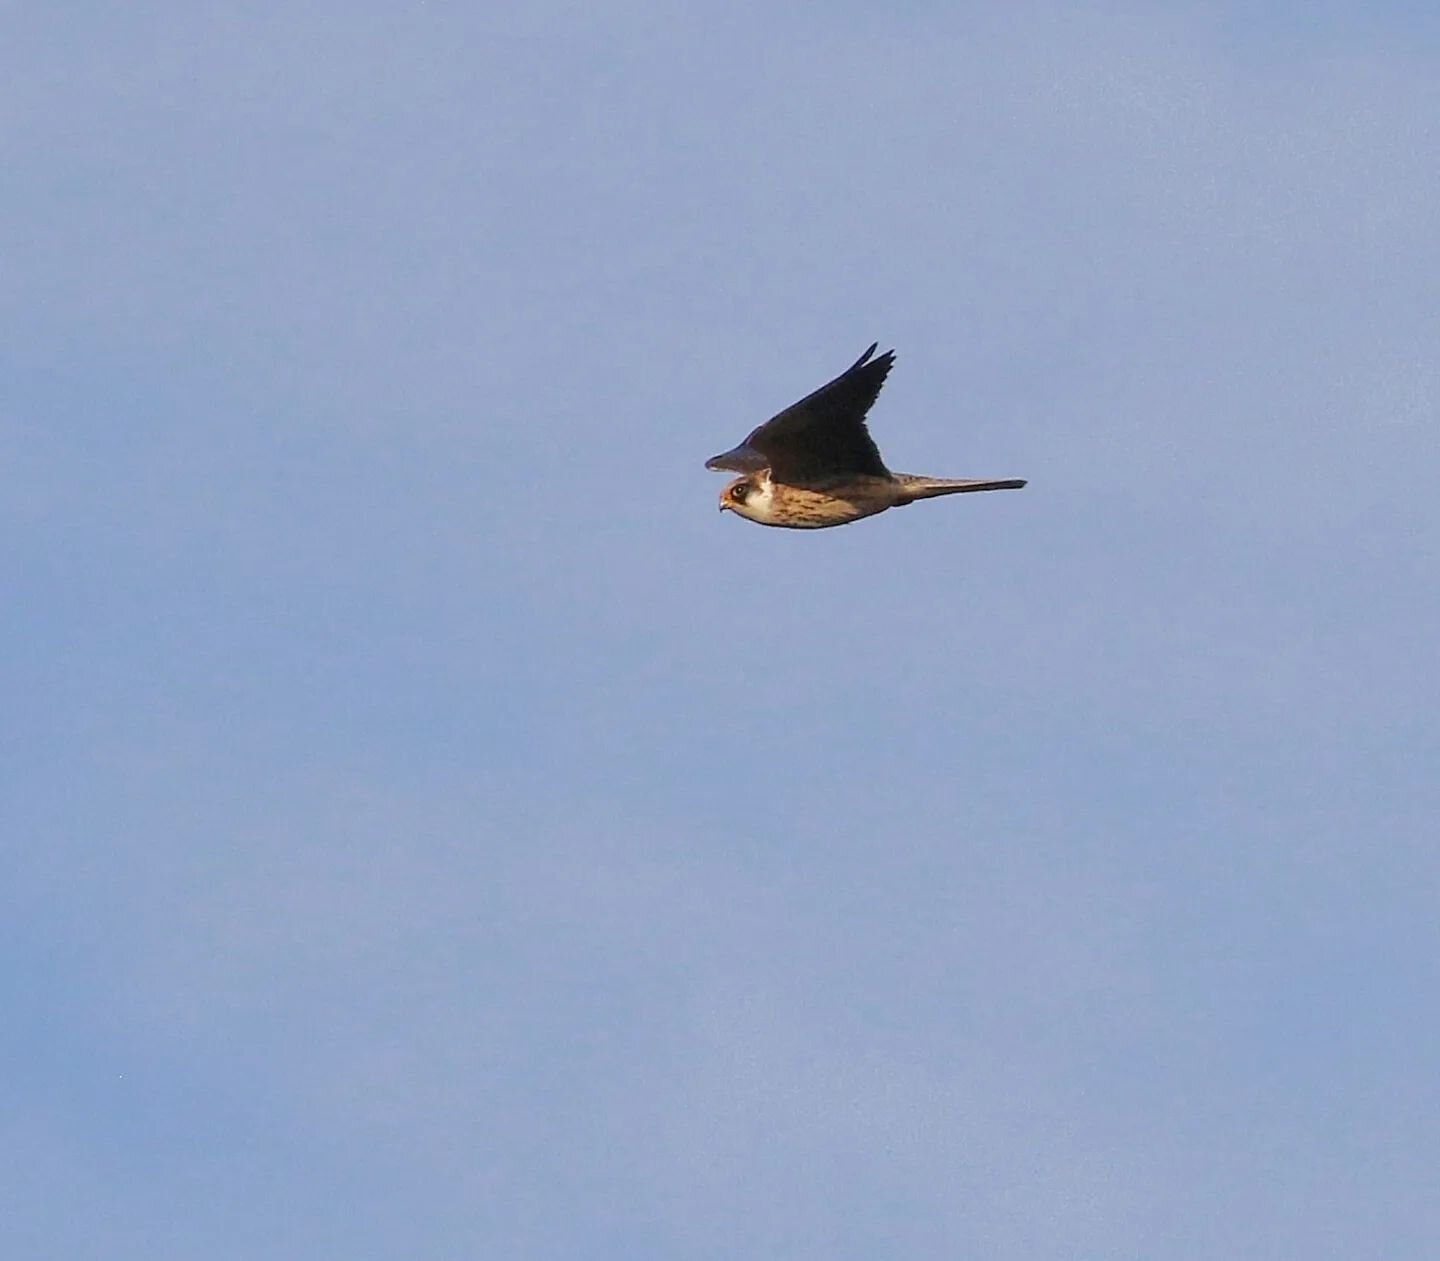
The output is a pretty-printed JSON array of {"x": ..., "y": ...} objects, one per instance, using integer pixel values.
[
  {"x": 815, "y": 465},
  {"x": 837, "y": 501}
]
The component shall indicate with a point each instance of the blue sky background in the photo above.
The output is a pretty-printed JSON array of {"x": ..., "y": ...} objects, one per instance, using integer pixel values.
[{"x": 430, "y": 829}]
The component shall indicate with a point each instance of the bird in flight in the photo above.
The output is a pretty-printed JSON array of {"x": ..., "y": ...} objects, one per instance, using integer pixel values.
[{"x": 815, "y": 464}]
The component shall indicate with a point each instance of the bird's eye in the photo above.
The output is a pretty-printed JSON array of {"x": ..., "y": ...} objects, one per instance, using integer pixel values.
[{"x": 739, "y": 493}]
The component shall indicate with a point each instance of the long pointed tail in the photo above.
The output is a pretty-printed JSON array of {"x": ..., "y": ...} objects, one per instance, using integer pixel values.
[{"x": 930, "y": 487}]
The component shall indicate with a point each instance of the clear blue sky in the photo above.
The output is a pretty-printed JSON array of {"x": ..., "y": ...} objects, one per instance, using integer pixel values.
[{"x": 431, "y": 830}]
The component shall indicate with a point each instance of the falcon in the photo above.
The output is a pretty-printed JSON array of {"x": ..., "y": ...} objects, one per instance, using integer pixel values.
[{"x": 815, "y": 465}]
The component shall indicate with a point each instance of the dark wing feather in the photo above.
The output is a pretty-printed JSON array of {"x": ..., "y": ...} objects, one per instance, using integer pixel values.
[{"x": 823, "y": 435}]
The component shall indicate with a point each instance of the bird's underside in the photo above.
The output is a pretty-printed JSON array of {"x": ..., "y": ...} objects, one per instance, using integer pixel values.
[{"x": 815, "y": 465}]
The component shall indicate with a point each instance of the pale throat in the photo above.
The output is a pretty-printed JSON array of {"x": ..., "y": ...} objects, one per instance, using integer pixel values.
[{"x": 761, "y": 499}]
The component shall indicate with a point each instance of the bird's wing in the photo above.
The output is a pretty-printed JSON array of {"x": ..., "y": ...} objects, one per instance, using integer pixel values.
[{"x": 822, "y": 435}]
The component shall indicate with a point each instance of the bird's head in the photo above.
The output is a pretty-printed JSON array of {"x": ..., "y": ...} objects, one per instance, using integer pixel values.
[{"x": 748, "y": 496}]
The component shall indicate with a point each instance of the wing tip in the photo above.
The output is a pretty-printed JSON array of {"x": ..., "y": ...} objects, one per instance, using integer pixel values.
[
  {"x": 883, "y": 362},
  {"x": 741, "y": 459}
]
